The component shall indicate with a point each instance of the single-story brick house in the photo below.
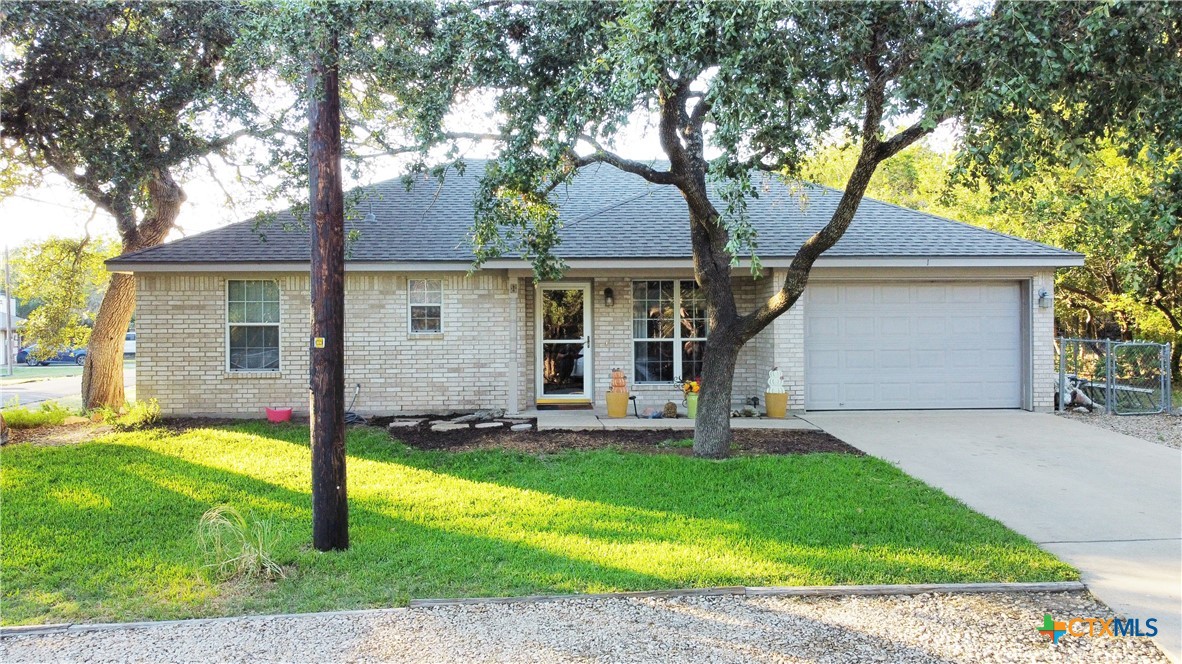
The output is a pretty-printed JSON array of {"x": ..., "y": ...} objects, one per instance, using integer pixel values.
[{"x": 908, "y": 310}]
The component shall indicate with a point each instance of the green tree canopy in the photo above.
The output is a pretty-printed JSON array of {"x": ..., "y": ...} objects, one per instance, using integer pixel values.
[
  {"x": 63, "y": 274},
  {"x": 735, "y": 88}
]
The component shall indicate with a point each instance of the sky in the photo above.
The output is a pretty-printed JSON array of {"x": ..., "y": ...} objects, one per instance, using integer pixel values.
[{"x": 56, "y": 209}]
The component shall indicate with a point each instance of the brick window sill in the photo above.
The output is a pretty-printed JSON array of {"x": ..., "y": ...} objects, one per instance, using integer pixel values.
[{"x": 237, "y": 375}]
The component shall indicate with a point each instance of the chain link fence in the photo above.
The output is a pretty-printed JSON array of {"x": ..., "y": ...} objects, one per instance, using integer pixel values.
[{"x": 1118, "y": 377}]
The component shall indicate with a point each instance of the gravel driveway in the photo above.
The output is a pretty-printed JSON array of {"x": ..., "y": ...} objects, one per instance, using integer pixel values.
[
  {"x": 922, "y": 628},
  {"x": 1163, "y": 429}
]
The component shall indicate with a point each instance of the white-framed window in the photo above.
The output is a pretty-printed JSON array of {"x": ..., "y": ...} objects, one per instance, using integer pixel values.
[
  {"x": 252, "y": 325},
  {"x": 424, "y": 306},
  {"x": 669, "y": 328}
]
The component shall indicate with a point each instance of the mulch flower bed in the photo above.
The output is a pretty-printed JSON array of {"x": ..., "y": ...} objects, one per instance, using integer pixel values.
[{"x": 660, "y": 441}]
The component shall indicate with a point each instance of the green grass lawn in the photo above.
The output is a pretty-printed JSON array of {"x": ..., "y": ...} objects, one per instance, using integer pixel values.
[{"x": 106, "y": 530}]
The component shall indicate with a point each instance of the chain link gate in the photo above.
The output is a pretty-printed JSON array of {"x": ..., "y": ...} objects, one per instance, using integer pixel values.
[{"x": 1121, "y": 377}]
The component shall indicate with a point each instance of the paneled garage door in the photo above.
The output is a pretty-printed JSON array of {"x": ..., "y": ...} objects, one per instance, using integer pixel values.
[{"x": 913, "y": 345}]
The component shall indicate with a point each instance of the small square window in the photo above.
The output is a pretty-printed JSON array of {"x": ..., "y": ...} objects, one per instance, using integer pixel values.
[{"x": 424, "y": 300}]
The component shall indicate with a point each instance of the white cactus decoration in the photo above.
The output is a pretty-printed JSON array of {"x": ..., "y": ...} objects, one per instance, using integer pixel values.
[{"x": 775, "y": 381}]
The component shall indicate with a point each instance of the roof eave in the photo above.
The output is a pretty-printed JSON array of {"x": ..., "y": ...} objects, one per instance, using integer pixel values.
[{"x": 1065, "y": 259}]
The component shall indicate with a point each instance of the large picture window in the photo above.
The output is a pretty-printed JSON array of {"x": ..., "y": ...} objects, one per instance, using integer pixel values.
[
  {"x": 252, "y": 319},
  {"x": 668, "y": 330},
  {"x": 425, "y": 304}
]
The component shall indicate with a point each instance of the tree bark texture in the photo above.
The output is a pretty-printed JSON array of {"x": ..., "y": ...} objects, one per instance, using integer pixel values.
[
  {"x": 330, "y": 508},
  {"x": 102, "y": 372}
]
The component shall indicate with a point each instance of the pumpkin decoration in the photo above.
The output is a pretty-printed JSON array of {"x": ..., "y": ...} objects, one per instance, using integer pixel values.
[
  {"x": 619, "y": 381},
  {"x": 617, "y": 395}
]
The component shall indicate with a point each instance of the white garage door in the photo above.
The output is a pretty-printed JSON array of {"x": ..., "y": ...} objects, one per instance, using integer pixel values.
[{"x": 913, "y": 345}]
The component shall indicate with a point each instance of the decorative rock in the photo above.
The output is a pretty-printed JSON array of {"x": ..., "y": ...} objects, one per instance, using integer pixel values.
[
  {"x": 490, "y": 425},
  {"x": 448, "y": 426},
  {"x": 480, "y": 416},
  {"x": 521, "y": 427}
]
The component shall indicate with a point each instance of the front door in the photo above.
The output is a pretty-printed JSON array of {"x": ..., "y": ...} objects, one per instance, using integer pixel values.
[{"x": 564, "y": 343}]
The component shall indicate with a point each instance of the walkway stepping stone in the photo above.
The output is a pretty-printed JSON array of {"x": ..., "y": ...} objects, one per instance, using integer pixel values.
[
  {"x": 521, "y": 427},
  {"x": 490, "y": 425},
  {"x": 448, "y": 426},
  {"x": 403, "y": 424}
]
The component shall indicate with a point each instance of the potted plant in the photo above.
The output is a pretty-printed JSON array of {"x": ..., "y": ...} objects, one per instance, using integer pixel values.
[
  {"x": 776, "y": 397},
  {"x": 691, "y": 388},
  {"x": 617, "y": 395}
]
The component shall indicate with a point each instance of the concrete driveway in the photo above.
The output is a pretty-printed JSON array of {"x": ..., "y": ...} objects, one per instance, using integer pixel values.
[{"x": 1109, "y": 504}]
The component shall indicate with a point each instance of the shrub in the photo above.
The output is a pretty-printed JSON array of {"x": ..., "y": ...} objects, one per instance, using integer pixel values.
[
  {"x": 137, "y": 415},
  {"x": 48, "y": 413},
  {"x": 238, "y": 546}
]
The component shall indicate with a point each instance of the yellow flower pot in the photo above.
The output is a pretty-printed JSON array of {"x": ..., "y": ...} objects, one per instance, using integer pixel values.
[
  {"x": 617, "y": 404},
  {"x": 777, "y": 404}
]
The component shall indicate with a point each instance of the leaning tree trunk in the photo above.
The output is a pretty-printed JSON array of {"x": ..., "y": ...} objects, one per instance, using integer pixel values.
[{"x": 102, "y": 372}]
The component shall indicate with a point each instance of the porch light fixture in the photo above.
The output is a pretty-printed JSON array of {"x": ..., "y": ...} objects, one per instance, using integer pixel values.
[
  {"x": 609, "y": 297},
  {"x": 1044, "y": 299}
]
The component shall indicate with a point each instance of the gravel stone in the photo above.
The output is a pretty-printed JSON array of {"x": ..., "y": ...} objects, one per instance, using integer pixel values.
[
  {"x": 1162, "y": 428},
  {"x": 922, "y": 628}
]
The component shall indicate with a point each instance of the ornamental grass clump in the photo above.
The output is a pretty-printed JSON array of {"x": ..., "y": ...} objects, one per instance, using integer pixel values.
[
  {"x": 48, "y": 413},
  {"x": 238, "y": 547}
]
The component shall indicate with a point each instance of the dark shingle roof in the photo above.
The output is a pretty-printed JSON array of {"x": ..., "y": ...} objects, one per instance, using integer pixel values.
[{"x": 606, "y": 214}]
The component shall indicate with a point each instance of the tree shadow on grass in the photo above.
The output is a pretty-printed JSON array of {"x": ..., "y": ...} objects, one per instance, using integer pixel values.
[
  {"x": 107, "y": 532},
  {"x": 815, "y": 519},
  {"x": 870, "y": 521}
]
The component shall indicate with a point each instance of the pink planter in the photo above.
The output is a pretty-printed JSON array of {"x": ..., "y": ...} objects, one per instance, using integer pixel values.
[{"x": 278, "y": 415}]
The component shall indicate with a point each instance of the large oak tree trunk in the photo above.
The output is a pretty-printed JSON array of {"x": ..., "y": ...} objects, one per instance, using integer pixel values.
[
  {"x": 102, "y": 372},
  {"x": 330, "y": 506},
  {"x": 712, "y": 431},
  {"x": 712, "y": 270}
]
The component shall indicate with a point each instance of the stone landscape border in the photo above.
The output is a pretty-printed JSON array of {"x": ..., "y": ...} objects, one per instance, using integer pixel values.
[{"x": 757, "y": 591}]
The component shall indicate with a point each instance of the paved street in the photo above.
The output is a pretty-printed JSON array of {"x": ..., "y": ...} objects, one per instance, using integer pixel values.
[{"x": 66, "y": 391}]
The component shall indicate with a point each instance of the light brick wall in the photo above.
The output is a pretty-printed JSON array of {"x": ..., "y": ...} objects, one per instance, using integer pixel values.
[
  {"x": 488, "y": 339},
  {"x": 181, "y": 358},
  {"x": 786, "y": 334},
  {"x": 1043, "y": 340}
]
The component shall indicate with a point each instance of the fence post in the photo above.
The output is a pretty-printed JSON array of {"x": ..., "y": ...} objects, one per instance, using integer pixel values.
[
  {"x": 1109, "y": 369},
  {"x": 1062, "y": 374},
  {"x": 1167, "y": 378}
]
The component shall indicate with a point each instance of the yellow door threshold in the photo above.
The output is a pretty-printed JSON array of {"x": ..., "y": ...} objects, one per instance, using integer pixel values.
[{"x": 563, "y": 404}]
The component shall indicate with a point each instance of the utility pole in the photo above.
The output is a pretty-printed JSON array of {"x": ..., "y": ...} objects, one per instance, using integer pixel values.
[
  {"x": 8, "y": 316},
  {"x": 330, "y": 507}
]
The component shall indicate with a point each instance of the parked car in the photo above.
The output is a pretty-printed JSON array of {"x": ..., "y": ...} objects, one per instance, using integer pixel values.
[
  {"x": 72, "y": 356},
  {"x": 129, "y": 344}
]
